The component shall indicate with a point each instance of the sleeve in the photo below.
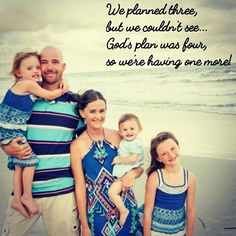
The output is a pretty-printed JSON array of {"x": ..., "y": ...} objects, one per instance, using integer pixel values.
[
  {"x": 80, "y": 128},
  {"x": 136, "y": 146}
]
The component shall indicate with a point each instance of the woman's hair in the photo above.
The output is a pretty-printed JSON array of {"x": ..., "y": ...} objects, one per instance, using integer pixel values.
[
  {"x": 83, "y": 100},
  {"x": 129, "y": 116},
  {"x": 18, "y": 59},
  {"x": 161, "y": 137},
  {"x": 87, "y": 97}
]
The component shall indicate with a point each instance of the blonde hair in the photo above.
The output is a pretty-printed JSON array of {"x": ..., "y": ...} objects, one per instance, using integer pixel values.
[
  {"x": 129, "y": 116},
  {"x": 19, "y": 57}
]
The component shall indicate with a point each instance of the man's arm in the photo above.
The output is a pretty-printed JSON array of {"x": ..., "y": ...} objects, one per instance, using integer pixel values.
[{"x": 21, "y": 151}]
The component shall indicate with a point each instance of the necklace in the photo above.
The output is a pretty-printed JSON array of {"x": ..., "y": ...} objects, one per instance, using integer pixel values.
[{"x": 100, "y": 152}]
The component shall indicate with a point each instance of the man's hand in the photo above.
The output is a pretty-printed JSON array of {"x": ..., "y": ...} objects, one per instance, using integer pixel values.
[{"x": 18, "y": 147}]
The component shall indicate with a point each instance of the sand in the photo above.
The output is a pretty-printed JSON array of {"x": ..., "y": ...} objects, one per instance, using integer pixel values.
[{"x": 208, "y": 150}]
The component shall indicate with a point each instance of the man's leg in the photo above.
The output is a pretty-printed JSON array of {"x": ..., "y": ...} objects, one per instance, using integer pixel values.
[
  {"x": 16, "y": 224},
  {"x": 60, "y": 215}
]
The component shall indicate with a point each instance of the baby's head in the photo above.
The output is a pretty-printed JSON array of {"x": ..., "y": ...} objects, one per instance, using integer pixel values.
[
  {"x": 129, "y": 126},
  {"x": 26, "y": 65}
]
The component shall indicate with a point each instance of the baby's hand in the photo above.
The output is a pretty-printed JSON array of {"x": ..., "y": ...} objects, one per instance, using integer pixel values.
[
  {"x": 116, "y": 160},
  {"x": 64, "y": 85}
]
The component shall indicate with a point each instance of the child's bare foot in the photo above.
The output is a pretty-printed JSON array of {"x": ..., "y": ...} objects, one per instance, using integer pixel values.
[
  {"x": 30, "y": 204},
  {"x": 17, "y": 205},
  {"x": 123, "y": 216}
]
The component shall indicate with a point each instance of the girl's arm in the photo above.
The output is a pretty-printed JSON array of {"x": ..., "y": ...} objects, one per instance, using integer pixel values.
[
  {"x": 64, "y": 85},
  {"x": 80, "y": 187},
  {"x": 151, "y": 186},
  {"x": 35, "y": 89},
  {"x": 131, "y": 158},
  {"x": 190, "y": 205}
]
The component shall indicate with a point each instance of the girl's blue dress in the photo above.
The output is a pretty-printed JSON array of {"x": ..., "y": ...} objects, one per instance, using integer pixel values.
[
  {"x": 15, "y": 110},
  {"x": 169, "y": 217},
  {"x": 103, "y": 216}
]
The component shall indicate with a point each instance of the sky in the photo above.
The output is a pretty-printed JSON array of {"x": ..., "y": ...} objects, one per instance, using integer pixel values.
[{"x": 78, "y": 28}]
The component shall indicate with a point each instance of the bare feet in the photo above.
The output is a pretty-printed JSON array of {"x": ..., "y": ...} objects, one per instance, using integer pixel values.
[
  {"x": 30, "y": 204},
  {"x": 17, "y": 205},
  {"x": 123, "y": 216}
]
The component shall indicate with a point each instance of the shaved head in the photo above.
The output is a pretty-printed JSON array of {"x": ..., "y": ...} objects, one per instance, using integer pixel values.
[
  {"x": 52, "y": 67},
  {"x": 52, "y": 49}
]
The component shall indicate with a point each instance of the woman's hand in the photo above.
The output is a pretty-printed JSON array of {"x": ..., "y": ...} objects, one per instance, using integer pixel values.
[
  {"x": 18, "y": 147},
  {"x": 128, "y": 180}
]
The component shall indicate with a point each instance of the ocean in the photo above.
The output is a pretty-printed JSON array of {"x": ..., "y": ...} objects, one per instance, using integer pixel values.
[{"x": 206, "y": 89}]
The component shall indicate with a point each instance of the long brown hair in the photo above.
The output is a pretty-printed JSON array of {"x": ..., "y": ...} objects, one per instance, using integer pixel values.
[{"x": 161, "y": 137}]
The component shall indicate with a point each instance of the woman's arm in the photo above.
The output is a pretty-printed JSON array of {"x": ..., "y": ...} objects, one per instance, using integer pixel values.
[
  {"x": 151, "y": 186},
  {"x": 190, "y": 206},
  {"x": 128, "y": 179},
  {"x": 80, "y": 187}
]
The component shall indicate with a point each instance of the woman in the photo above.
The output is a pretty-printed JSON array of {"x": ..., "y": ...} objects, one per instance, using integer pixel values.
[{"x": 92, "y": 154}]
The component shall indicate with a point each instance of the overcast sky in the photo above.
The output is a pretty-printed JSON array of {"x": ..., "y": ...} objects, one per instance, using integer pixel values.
[{"x": 78, "y": 28}]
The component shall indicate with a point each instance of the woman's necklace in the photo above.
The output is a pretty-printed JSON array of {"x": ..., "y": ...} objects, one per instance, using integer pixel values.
[{"x": 100, "y": 152}]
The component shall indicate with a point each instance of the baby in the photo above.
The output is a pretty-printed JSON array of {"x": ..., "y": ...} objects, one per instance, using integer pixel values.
[{"x": 131, "y": 155}]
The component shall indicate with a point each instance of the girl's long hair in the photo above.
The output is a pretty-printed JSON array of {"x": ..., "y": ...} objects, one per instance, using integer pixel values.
[{"x": 155, "y": 164}]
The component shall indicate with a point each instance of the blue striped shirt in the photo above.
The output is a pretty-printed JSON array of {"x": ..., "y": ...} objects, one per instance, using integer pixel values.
[{"x": 50, "y": 131}]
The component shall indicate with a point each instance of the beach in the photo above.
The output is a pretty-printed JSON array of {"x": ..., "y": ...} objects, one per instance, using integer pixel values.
[{"x": 208, "y": 150}]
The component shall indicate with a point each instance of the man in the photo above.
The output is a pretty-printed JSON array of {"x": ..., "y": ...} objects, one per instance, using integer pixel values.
[{"x": 51, "y": 129}]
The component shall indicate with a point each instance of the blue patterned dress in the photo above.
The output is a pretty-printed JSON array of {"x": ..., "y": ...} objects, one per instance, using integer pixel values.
[
  {"x": 15, "y": 110},
  {"x": 103, "y": 216},
  {"x": 169, "y": 217}
]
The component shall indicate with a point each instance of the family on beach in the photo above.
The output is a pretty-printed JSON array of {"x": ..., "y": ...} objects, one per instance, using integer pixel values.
[{"x": 77, "y": 174}]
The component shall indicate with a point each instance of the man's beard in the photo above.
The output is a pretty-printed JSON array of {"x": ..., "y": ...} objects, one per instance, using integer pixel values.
[{"x": 45, "y": 81}]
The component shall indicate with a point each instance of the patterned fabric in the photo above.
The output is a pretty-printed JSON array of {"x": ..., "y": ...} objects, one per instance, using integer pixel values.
[
  {"x": 103, "y": 216},
  {"x": 169, "y": 217},
  {"x": 15, "y": 110},
  {"x": 51, "y": 128}
]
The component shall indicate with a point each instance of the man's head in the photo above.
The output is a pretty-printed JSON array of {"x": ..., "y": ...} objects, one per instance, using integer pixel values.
[{"x": 52, "y": 66}]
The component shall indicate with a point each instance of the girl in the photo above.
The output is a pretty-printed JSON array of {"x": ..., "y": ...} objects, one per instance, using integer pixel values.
[
  {"x": 168, "y": 186},
  {"x": 15, "y": 110}
]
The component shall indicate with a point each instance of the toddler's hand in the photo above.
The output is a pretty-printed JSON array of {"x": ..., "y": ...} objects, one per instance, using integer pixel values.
[
  {"x": 64, "y": 85},
  {"x": 116, "y": 160}
]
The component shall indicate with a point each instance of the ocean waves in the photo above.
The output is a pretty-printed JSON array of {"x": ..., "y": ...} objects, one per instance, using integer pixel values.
[{"x": 204, "y": 89}]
